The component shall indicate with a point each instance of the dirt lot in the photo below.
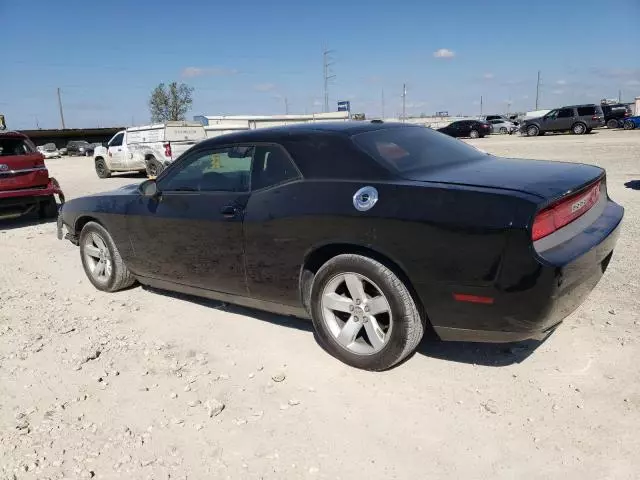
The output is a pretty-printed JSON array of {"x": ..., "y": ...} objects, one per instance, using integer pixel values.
[{"x": 127, "y": 385}]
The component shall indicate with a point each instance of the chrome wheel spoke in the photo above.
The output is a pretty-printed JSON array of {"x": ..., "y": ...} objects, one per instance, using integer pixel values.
[
  {"x": 98, "y": 242},
  {"x": 92, "y": 251},
  {"x": 374, "y": 333},
  {"x": 98, "y": 270},
  {"x": 355, "y": 287},
  {"x": 337, "y": 303},
  {"x": 377, "y": 305},
  {"x": 349, "y": 332}
]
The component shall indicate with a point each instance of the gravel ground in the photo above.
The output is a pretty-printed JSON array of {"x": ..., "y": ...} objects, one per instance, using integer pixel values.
[{"x": 132, "y": 385}]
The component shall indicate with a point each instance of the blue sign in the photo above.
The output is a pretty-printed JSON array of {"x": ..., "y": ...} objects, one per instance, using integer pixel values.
[{"x": 344, "y": 106}]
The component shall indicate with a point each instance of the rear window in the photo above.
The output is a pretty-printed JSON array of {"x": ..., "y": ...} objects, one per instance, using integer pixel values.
[
  {"x": 586, "y": 111},
  {"x": 412, "y": 148},
  {"x": 15, "y": 146}
]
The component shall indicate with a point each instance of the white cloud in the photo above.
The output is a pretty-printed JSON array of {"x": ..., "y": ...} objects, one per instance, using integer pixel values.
[
  {"x": 557, "y": 92},
  {"x": 264, "y": 87},
  {"x": 488, "y": 76},
  {"x": 317, "y": 103},
  {"x": 561, "y": 82},
  {"x": 444, "y": 53},
  {"x": 191, "y": 72}
]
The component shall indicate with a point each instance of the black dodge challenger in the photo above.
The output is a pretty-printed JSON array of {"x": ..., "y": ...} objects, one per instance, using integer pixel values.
[{"x": 374, "y": 230}]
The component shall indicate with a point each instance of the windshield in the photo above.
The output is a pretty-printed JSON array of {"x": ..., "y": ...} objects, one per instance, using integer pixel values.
[{"x": 404, "y": 149}]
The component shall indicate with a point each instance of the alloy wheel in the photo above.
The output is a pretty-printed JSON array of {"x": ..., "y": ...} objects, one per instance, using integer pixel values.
[
  {"x": 98, "y": 257},
  {"x": 357, "y": 313}
]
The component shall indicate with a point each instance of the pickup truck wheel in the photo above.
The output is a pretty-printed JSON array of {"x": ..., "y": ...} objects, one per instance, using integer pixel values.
[
  {"x": 48, "y": 208},
  {"x": 613, "y": 123},
  {"x": 363, "y": 313},
  {"x": 579, "y": 129},
  {"x": 154, "y": 168},
  {"x": 101, "y": 168},
  {"x": 102, "y": 261}
]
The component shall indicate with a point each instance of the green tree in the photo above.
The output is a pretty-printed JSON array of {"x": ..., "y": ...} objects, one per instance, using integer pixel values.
[{"x": 170, "y": 102}]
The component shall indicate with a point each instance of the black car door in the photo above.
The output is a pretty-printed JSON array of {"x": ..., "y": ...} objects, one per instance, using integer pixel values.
[
  {"x": 452, "y": 129},
  {"x": 191, "y": 231}
]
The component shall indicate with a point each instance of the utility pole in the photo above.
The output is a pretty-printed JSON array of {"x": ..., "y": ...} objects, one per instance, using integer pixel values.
[
  {"x": 480, "y": 105},
  {"x": 286, "y": 106},
  {"x": 619, "y": 96},
  {"x": 404, "y": 102},
  {"x": 60, "y": 106},
  {"x": 538, "y": 90},
  {"x": 383, "y": 104},
  {"x": 327, "y": 75}
]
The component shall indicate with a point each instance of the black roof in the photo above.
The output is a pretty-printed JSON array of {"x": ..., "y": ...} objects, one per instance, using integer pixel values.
[{"x": 347, "y": 128}]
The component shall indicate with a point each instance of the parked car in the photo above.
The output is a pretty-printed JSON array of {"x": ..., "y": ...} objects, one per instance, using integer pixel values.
[
  {"x": 631, "y": 123},
  {"x": 148, "y": 148},
  {"x": 49, "y": 150},
  {"x": 79, "y": 147},
  {"x": 320, "y": 220},
  {"x": 25, "y": 185},
  {"x": 467, "y": 128},
  {"x": 63, "y": 150},
  {"x": 615, "y": 114},
  {"x": 502, "y": 126},
  {"x": 578, "y": 119}
]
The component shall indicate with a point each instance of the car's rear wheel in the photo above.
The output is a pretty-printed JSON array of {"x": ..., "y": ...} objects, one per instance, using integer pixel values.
[
  {"x": 363, "y": 313},
  {"x": 48, "y": 208},
  {"x": 613, "y": 123},
  {"x": 101, "y": 260},
  {"x": 579, "y": 129},
  {"x": 532, "y": 131},
  {"x": 503, "y": 130},
  {"x": 101, "y": 168},
  {"x": 629, "y": 125},
  {"x": 474, "y": 134},
  {"x": 154, "y": 168}
]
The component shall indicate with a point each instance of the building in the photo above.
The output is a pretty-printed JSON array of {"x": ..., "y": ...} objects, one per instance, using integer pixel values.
[{"x": 216, "y": 125}]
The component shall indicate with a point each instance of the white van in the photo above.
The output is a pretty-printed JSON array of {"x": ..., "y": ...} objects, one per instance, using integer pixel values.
[{"x": 149, "y": 148}]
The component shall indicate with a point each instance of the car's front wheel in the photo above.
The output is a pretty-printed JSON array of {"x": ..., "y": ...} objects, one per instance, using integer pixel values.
[
  {"x": 363, "y": 313},
  {"x": 102, "y": 261},
  {"x": 532, "y": 131},
  {"x": 101, "y": 168}
]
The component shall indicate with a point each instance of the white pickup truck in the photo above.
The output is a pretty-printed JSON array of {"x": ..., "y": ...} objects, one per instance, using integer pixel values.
[{"x": 149, "y": 148}]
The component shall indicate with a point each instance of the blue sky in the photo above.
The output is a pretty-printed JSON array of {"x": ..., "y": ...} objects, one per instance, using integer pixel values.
[{"x": 245, "y": 57}]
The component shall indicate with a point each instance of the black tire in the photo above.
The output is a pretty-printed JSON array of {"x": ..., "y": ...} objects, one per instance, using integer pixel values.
[
  {"x": 474, "y": 133},
  {"x": 101, "y": 168},
  {"x": 503, "y": 130},
  {"x": 120, "y": 276},
  {"x": 532, "y": 131},
  {"x": 578, "y": 128},
  {"x": 613, "y": 123},
  {"x": 48, "y": 208},
  {"x": 407, "y": 328},
  {"x": 154, "y": 167},
  {"x": 629, "y": 125}
]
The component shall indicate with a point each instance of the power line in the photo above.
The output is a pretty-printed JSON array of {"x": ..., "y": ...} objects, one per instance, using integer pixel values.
[{"x": 327, "y": 75}]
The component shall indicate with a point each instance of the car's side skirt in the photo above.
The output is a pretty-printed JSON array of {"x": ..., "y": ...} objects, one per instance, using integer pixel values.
[{"x": 272, "y": 307}]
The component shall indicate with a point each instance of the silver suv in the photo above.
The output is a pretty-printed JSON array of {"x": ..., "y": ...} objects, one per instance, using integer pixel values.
[{"x": 578, "y": 119}]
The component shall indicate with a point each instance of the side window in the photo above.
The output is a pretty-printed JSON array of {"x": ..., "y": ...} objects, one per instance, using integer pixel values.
[
  {"x": 117, "y": 140},
  {"x": 271, "y": 166},
  {"x": 565, "y": 113},
  {"x": 495, "y": 122},
  {"x": 582, "y": 111},
  {"x": 220, "y": 170}
]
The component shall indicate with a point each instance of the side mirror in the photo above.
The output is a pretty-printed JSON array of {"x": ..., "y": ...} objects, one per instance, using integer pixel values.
[{"x": 149, "y": 188}]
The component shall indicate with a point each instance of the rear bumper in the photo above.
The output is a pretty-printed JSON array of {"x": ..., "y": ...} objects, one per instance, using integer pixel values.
[
  {"x": 14, "y": 203},
  {"x": 548, "y": 289}
]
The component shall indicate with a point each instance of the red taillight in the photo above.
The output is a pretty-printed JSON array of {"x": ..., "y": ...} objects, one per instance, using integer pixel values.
[
  {"x": 167, "y": 149},
  {"x": 463, "y": 297},
  {"x": 564, "y": 212}
]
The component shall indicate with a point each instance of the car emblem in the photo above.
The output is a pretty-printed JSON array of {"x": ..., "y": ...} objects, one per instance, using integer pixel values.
[
  {"x": 4, "y": 167},
  {"x": 365, "y": 198}
]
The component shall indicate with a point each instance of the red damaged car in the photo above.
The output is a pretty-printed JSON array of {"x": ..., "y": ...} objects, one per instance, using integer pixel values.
[{"x": 25, "y": 185}]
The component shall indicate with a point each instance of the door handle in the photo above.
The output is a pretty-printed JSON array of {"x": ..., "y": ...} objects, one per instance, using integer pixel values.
[{"x": 229, "y": 211}]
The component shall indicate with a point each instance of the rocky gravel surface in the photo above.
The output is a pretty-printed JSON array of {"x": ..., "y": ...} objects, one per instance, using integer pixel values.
[{"x": 150, "y": 385}]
